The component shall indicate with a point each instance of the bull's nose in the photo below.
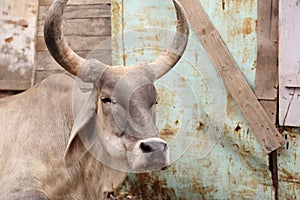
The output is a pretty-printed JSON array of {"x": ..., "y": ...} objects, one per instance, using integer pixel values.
[{"x": 149, "y": 147}]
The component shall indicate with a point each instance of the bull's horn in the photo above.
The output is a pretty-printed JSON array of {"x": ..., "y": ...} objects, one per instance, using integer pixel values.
[
  {"x": 55, "y": 42},
  {"x": 171, "y": 56}
]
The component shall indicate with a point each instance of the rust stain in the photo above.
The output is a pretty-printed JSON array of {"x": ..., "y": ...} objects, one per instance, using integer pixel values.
[
  {"x": 9, "y": 40},
  {"x": 10, "y": 22},
  {"x": 200, "y": 126},
  {"x": 237, "y": 6},
  {"x": 223, "y": 4},
  {"x": 231, "y": 108},
  {"x": 247, "y": 193},
  {"x": 167, "y": 133},
  {"x": 247, "y": 26},
  {"x": 242, "y": 3},
  {"x": 21, "y": 22},
  {"x": 197, "y": 187},
  {"x": 150, "y": 186},
  {"x": 289, "y": 176}
]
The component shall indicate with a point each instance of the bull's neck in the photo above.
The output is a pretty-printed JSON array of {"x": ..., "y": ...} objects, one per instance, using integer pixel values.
[{"x": 99, "y": 178}]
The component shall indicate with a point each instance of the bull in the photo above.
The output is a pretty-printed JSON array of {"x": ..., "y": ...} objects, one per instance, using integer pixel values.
[{"x": 51, "y": 150}]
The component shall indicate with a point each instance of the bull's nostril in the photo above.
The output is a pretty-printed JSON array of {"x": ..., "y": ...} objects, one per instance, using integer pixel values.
[
  {"x": 148, "y": 147},
  {"x": 145, "y": 148},
  {"x": 165, "y": 146}
]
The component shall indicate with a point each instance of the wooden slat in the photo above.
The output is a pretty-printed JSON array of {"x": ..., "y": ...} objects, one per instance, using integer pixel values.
[
  {"x": 80, "y": 11},
  {"x": 75, "y": 2},
  {"x": 266, "y": 82},
  {"x": 46, "y": 62},
  {"x": 271, "y": 108},
  {"x": 83, "y": 27},
  {"x": 42, "y": 74},
  {"x": 80, "y": 43},
  {"x": 260, "y": 122},
  {"x": 14, "y": 85},
  {"x": 87, "y": 29}
]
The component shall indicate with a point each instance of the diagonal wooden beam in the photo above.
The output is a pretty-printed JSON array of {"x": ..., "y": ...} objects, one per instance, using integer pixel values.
[{"x": 260, "y": 122}]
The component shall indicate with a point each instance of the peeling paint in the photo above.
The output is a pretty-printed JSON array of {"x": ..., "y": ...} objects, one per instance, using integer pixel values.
[
  {"x": 22, "y": 22},
  {"x": 247, "y": 27},
  {"x": 17, "y": 48},
  {"x": 9, "y": 39}
]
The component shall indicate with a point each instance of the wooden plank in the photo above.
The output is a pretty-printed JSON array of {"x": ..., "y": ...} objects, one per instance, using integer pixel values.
[
  {"x": 46, "y": 62},
  {"x": 75, "y": 2},
  {"x": 40, "y": 75},
  {"x": 14, "y": 85},
  {"x": 266, "y": 82},
  {"x": 289, "y": 63},
  {"x": 271, "y": 108},
  {"x": 80, "y": 11},
  {"x": 83, "y": 27},
  {"x": 80, "y": 43},
  {"x": 5, "y": 94},
  {"x": 260, "y": 122},
  {"x": 87, "y": 29}
]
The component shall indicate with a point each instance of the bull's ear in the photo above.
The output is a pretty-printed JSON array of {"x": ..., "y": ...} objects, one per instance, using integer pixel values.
[{"x": 83, "y": 131}]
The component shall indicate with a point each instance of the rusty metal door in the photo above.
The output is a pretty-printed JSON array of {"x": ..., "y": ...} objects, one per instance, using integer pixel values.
[{"x": 214, "y": 152}]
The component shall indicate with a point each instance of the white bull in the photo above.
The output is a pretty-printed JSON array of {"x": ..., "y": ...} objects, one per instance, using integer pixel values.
[{"x": 49, "y": 149}]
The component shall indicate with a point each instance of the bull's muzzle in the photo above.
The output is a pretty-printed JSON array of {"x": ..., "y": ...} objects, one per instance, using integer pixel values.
[{"x": 150, "y": 154}]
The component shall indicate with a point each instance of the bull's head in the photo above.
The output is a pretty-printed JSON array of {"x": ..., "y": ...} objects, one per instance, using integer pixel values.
[{"x": 123, "y": 99}]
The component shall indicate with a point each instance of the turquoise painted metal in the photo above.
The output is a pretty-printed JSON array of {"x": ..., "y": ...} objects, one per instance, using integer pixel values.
[
  {"x": 213, "y": 150},
  {"x": 288, "y": 165}
]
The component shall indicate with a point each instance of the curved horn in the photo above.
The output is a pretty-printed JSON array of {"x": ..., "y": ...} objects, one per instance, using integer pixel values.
[
  {"x": 171, "y": 56},
  {"x": 55, "y": 42}
]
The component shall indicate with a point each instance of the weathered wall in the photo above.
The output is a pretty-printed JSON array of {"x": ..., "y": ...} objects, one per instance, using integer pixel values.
[
  {"x": 17, "y": 43},
  {"x": 24, "y": 58},
  {"x": 87, "y": 29},
  {"x": 214, "y": 152}
]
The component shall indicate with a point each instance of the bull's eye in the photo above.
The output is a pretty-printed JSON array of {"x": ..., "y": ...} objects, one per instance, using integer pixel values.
[{"x": 107, "y": 100}]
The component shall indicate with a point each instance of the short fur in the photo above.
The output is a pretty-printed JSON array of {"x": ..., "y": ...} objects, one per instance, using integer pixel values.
[{"x": 34, "y": 133}]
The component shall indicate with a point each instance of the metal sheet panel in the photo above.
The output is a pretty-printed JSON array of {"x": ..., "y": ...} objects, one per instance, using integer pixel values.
[
  {"x": 288, "y": 166},
  {"x": 214, "y": 153}
]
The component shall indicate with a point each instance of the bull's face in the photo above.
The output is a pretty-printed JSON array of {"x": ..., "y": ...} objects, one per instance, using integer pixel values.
[
  {"x": 126, "y": 113},
  {"x": 123, "y": 100}
]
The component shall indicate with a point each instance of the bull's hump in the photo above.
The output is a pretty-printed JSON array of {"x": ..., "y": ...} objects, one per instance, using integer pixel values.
[{"x": 58, "y": 82}]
